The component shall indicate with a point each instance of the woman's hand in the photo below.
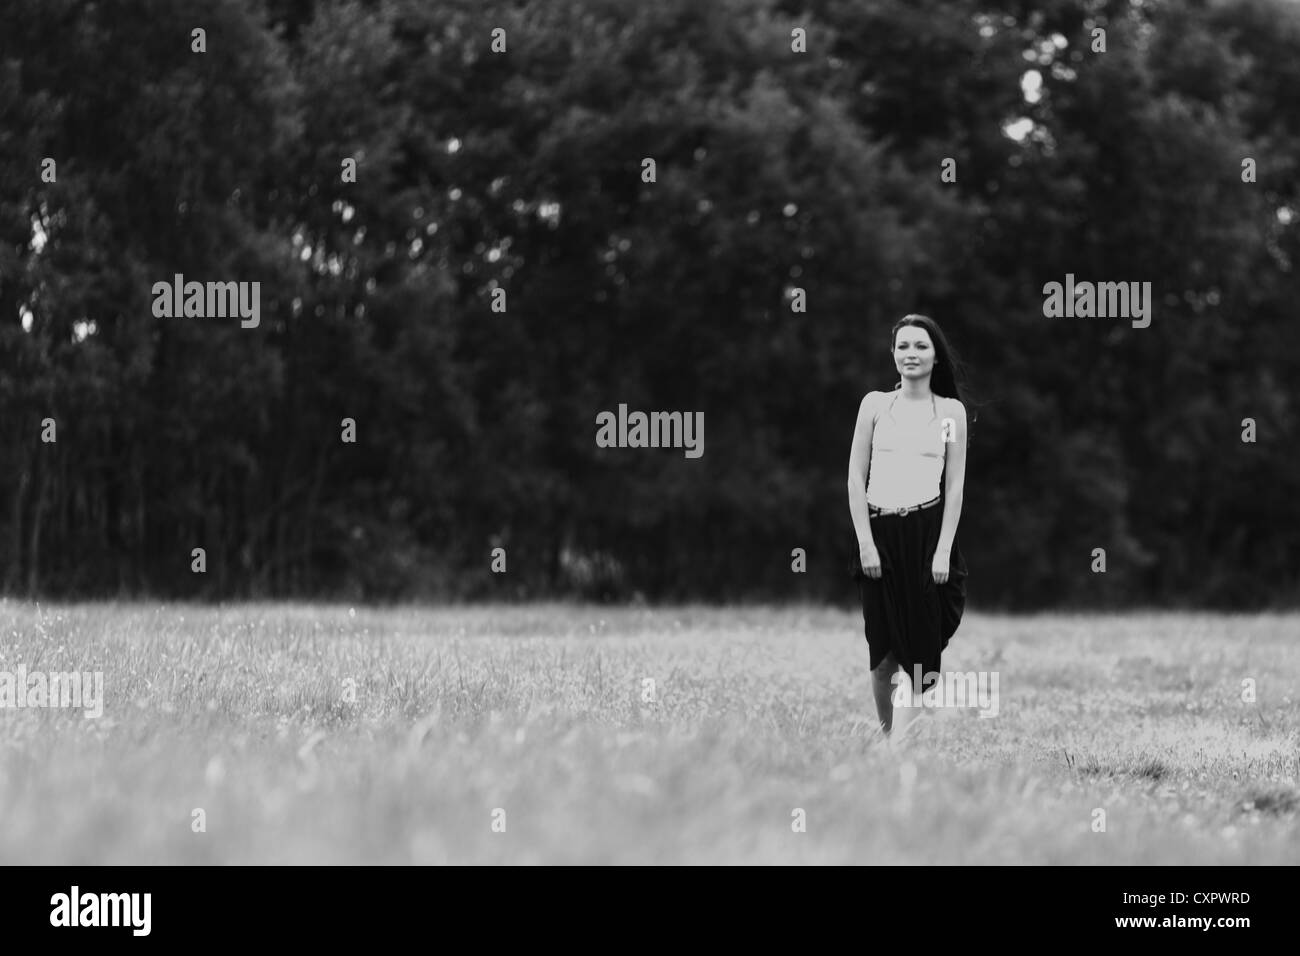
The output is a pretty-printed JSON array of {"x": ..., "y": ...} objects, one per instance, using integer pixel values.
[
  {"x": 939, "y": 567},
  {"x": 870, "y": 559}
]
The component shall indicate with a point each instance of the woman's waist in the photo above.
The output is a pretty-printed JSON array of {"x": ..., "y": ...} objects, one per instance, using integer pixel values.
[
  {"x": 890, "y": 488},
  {"x": 901, "y": 502}
]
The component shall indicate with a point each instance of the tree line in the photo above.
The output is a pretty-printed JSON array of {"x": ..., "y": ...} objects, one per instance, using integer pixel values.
[{"x": 498, "y": 272}]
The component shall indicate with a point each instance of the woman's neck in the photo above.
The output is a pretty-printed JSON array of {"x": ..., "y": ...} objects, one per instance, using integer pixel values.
[{"x": 916, "y": 389}]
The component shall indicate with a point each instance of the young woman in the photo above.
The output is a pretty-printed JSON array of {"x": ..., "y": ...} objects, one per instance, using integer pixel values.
[{"x": 907, "y": 469}]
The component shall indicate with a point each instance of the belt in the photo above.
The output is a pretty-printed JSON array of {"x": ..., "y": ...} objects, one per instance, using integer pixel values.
[{"x": 875, "y": 512}]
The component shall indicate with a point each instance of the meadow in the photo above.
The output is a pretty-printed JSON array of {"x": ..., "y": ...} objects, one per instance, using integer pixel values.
[{"x": 558, "y": 733}]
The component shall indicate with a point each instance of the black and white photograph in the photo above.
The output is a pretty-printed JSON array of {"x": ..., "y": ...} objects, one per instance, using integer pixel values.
[{"x": 651, "y": 433}]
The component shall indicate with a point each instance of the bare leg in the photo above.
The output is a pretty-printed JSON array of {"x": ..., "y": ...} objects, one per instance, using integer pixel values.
[{"x": 882, "y": 687}]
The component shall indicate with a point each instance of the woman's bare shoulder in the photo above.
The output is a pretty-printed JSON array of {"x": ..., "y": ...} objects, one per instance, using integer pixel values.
[
  {"x": 951, "y": 406},
  {"x": 869, "y": 404}
]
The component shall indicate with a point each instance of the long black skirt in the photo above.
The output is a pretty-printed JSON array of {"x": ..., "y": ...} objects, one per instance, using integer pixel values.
[{"x": 904, "y": 611}]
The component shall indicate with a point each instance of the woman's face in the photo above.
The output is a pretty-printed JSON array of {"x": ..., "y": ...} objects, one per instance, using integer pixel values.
[{"x": 913, "y": 352}]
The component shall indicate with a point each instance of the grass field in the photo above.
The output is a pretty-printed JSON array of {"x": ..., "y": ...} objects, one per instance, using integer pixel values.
[{"x": 537, "y": 710}]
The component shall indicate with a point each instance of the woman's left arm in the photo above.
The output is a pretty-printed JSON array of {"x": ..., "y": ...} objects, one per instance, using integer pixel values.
[{"x": 954, "y": 481}]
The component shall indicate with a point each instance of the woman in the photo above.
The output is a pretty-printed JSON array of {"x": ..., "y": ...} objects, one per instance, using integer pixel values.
[{"x": 907, "y": 470}]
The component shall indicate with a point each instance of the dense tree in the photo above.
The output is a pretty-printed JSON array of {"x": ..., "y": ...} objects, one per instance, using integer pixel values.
[{"x": 481, "y": 175}]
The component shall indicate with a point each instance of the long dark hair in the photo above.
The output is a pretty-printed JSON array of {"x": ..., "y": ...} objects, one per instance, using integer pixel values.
[{"x": 949, "y": 375}]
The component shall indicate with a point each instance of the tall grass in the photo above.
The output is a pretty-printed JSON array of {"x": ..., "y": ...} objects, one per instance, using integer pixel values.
[{"x": 319, "y": 734}]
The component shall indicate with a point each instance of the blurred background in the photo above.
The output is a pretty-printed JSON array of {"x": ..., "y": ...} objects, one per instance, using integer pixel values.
[{"x": 522, "y": 171}]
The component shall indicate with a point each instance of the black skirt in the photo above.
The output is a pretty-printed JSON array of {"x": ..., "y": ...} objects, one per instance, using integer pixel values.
[{"x": 904, "y": 611}]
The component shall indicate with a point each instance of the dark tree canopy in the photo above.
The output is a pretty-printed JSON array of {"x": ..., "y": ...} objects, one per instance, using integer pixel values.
[{"x": 522, "y": 172}]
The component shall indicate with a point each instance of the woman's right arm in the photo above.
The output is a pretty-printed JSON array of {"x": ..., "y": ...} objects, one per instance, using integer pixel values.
[{"x": 859, "y": 468}]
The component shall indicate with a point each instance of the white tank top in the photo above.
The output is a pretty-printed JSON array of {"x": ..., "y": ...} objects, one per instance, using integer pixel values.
[{"x": 906, "y": 462}]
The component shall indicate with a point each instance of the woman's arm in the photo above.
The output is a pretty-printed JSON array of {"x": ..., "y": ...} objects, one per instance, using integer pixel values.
[
  {"x": 859, "y": 467},
  {"x": 954, "y": 475}
]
